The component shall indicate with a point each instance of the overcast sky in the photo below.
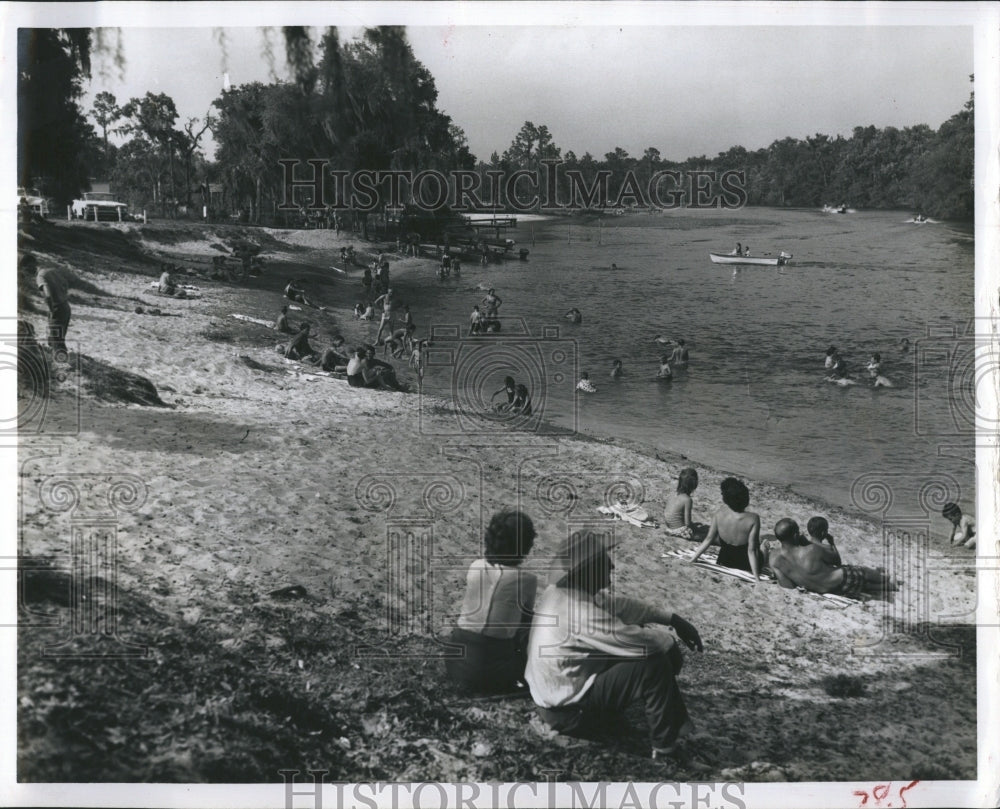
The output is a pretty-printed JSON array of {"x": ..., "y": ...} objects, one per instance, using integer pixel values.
[{"x": 685, "y": 90}]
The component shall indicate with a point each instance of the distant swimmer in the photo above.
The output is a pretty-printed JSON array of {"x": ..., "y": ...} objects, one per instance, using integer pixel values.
[
  {"x": 904, "y": 346},
  {"x": 614, "y": 266},
  {"x": 574, "y": 316},
  {"x": 680, "y": 354},
  {"x": 665, "y": 372},
  {"x": 585, "y": 384},
  {"x": 838, "y": 373},
  {"x": 874, "y": 368},
  {"x": 616, "y": 369},
  {"x": 663, "y": 340},
  {"x": 831, "y": 358}
]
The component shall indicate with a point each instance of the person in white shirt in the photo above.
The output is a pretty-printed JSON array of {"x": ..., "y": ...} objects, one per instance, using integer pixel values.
[
  {"x": 493, "y": 625},
  {"x": 592, "y": 653},
  {"x": 585, "y": 384}
]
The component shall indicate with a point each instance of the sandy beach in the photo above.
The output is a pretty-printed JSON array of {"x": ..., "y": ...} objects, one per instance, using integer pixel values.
[{"x": 256, "y": 475}]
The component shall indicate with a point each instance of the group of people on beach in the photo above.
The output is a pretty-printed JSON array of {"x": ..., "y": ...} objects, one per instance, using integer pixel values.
[{"x": 487, "y": 319}]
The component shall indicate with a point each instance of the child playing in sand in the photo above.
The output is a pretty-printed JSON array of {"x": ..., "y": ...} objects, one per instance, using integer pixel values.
[
  {"x": 677, "y": 512},
  {"x": 495, "y": 619},
  {"x": 964, "y": 526}
]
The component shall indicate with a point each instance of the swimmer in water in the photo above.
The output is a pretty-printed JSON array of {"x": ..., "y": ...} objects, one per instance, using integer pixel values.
[
  {"x": 665, "y": 372},
  {"x": 614, "y": 266},
  {"x": 875, "y": 372},
  {"x": 616, "y": 369},
  {"x": 831, "y": 358},
  {"x": 680, "y": 354},
  {"x": 574, "y": 316},
  {"x": 585, "y": 384},
  {"x": 904, "y": 345}
]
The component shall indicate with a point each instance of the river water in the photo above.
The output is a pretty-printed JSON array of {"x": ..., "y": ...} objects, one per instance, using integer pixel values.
[{"x": 753, "y": 400}]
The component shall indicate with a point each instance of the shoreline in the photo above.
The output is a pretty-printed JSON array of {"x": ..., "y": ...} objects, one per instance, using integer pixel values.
[{"x": 260, "y": 476}]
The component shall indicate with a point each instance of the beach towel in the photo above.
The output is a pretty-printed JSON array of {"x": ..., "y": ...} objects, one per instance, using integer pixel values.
[
  {"x": 259, "y": 321},
  {"x": 709, "y": 562},
  {"x": 636, "y": 515}
]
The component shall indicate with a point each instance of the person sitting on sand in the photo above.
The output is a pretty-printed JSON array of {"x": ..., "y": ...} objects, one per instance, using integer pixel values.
[
  {"x": 800, "y": 563},
  {"x": 591, "y": 653},
  {"x": 281, "y": 324},
  {"x": 298, "y": 348},
  {"x": 387, "y": 371},
  {"x": 296, "y": 293},
  {"x": 679, "y": 356},
  {"x": 964, "y": 526},
  {"x": 360, "y": 374},
  {"x": 495, "y": 620},
  {"x": 585, "y": 384},
  {"x": 332, "y": 360},
  {"x": 510, "y": 388},
  {"x": 167, "y": 284},
  {"x": 677, "y": 512},
  {"x": 736, "y": 530},
  {"x": 818, "y": 533},
  {"x": 616, "y": 369},
  {"x": 665, "y": 372},
  {"x": 574, "y": 316}
]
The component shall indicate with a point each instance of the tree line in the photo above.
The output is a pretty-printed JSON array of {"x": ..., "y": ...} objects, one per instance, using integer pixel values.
[{"x": 370, "y": 104}]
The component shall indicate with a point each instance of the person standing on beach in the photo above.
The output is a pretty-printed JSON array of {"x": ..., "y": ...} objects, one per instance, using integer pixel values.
[
  {"x": 591, "y": 654},
  {"x": 797, "y": 562},
  {"x": 736, "y": 530},
  {"x": 54, "y": 288},
  {"x": 387, "y": 319},
  {"x": 475, "y": 321}
]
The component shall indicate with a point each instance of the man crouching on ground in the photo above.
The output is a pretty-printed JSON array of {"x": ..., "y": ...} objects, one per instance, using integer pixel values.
[{"x": 591, "y": 654}]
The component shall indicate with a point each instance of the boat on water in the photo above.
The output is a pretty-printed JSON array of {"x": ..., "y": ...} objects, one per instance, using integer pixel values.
[
  {"x": 837, "y": 209},
  {"x": 762, "y": 261}
]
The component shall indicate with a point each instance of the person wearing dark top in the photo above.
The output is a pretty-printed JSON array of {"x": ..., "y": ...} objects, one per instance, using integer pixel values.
[{"x": 735, "y": 530}]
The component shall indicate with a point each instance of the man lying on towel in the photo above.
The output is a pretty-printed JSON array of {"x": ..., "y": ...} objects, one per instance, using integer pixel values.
[{"x": 797, "y": 562}]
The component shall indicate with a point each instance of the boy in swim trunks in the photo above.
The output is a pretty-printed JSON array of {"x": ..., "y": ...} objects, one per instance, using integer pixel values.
[{"x": 801, "y": 563}]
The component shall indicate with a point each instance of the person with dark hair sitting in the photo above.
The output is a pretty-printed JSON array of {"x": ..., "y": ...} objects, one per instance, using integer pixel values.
[
  {"x": 281, "y": 324},
  {"x": 493, "y": 626},
  {"x": 677, "y": 512},
  {"x": 298, "y": 347},
  {"x": 735, "y": 530},
  {"x": 591, "y": 654}
]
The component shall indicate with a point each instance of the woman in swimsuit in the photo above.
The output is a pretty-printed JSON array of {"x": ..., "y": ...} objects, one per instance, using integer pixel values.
[
  {"x": 677, "y": 512},
  {"x": 736, "y": 530}
]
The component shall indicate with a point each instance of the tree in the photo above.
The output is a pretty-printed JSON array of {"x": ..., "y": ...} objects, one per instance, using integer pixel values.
[
  {"x": 105, "y": 111},
  {"x": 52, "y": 133},
  {"x": 153, "y": 117}
]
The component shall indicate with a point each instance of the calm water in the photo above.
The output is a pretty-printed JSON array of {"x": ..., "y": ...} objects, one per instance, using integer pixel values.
[{"x": 753, "y": 400}]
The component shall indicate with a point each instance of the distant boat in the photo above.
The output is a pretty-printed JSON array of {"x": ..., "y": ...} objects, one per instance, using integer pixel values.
[
  {"x": 837, "y": 209},
  {"x": 765, "y": 261}
]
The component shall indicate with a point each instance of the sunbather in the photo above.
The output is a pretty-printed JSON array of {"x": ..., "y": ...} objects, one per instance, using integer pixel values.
[
  {"x": 677, "y": 512},
  {"x": 736, "y": 530}
]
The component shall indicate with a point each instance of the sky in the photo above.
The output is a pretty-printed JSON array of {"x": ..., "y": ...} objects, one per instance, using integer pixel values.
[{"x": 686, "y": 90}]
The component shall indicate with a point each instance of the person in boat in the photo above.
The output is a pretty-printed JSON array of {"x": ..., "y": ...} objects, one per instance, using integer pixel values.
[
  {"x": 738, "y": 251},
  {"x": 616, "y": 369},
  {"x": 585, "y": 384},
  {"x": 677, "y": 512},
  {"x": 735, "y": 530},
  {"x": 494, "y": 623},
  {"x": 679, "y": 356},
  {"x": 798, "y": 562},
  {"x": 574, "y": 316},
  {"x": 963, "y": 526},
  {"x": 509, "y": 388},
  {"x": 746, "y": 251},
  {"x": 665, "y": 371},
  {"x": 592, "y": 652}
]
